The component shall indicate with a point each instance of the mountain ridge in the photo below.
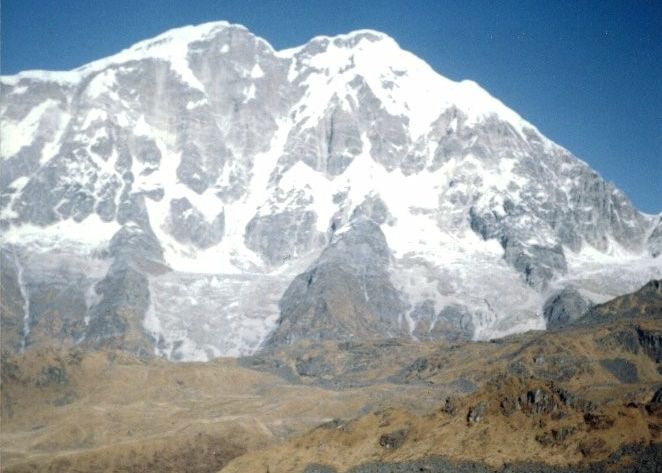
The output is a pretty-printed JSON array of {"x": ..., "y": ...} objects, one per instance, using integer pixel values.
[{"x": 205, "y": 151}]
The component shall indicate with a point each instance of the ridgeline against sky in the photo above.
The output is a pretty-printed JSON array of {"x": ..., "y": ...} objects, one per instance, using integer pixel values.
[{"x": 588, "y": 75}]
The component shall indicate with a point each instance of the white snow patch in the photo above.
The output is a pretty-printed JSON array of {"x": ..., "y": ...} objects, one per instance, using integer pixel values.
[
  {"x": 19, "y": 90},
  {"x": 257, "y": 72},
  {"x": 16, "y": 135},
  {"x": 141, "y": 127},
  {"x": 249, "y": 93},
  {"x": 197, "y": 103},
  {"x": 90, "y": 233},
  {"x": 26, "y": 302},
  {"x": 94, "y": 115},
  {"x": 103, "y": 83},
  {"x": 52, "y": 145}
]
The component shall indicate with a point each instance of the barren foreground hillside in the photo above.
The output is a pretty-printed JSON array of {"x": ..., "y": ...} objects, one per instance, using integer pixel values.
[{"x": 588, "y": 394}]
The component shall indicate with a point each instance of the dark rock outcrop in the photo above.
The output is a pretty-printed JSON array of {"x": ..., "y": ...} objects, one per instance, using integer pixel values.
[
  {"x": 393, "y": 440},
  {"x": 598, "y": 421},
  {"x": 555, "y": 437},
  {"x": 564, "y": 306},
  {"x": 623, "y": 370},
  {"x": 346, "y": 293},
  {"x": 477, "y": 413}
]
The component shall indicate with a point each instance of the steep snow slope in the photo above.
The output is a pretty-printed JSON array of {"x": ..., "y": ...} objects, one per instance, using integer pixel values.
[{"x": 222, "y": 184}]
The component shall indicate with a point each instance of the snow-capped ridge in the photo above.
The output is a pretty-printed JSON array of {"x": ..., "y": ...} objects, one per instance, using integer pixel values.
[
  {"x": 343, "y": 37},
  {"x": 429, "y": 94},
  {"x": 370, "y": 34},
  {"x": 163, "y": 46},
  {"x": 405, "y": 84}
]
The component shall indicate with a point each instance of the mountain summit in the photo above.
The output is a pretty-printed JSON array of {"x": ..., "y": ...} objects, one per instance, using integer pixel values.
[{"x": 201, "y": 194}]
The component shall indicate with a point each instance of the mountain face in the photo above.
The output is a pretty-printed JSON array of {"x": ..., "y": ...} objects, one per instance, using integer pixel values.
[{"x": 201, "y": 194}]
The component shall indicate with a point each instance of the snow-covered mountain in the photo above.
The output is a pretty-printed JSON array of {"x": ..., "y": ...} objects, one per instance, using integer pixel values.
[{"x": 200, "y": 194}]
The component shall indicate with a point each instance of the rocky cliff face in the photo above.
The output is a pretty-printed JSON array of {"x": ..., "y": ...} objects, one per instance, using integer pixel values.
[
  {"x": 346, "y": 293},
  {"x": 200, "y": 193}
]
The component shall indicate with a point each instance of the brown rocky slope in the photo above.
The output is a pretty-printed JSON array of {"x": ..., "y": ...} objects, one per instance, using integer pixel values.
[{"x": 576, "y": 396}]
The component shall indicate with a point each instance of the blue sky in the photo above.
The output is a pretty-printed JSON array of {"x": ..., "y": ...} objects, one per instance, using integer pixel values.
[{"x": 588, "y": 74}]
